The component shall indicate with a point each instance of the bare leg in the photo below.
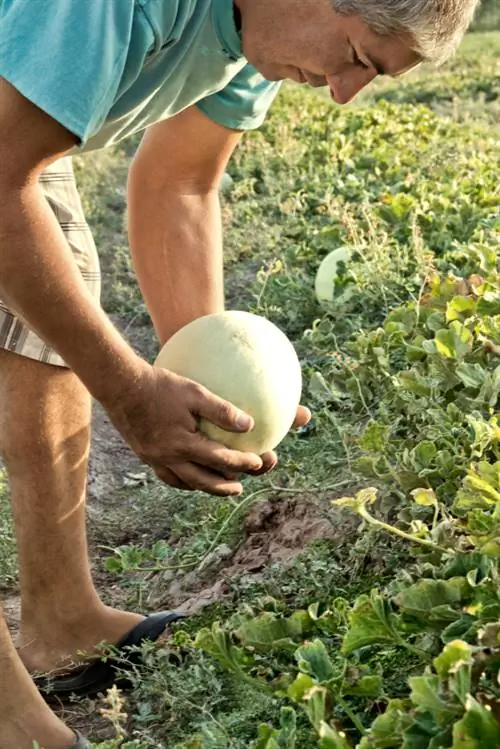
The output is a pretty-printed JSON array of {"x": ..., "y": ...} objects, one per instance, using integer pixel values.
[
  {"x": 24, "y": 716},
  {"x": 44, "y": 440}
]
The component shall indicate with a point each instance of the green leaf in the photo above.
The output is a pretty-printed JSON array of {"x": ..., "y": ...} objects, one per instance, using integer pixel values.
[
  {"x": 478, "y": 729},
  {"x": 485, "y": 433},
  {"x": 435, "y": 321},
  {"x": 491, "y": 388},
  {"x": 217, "y": 642},
  {"x": 371, "y": 622},
  {"x": 267, "y": 631},
  {"x": 313, "y": 659},
  {"x": 432, "y": 599},
  {"x": 489, "y": 305},
  {"x": 374, "y": 438},
  {"x": 300, "y": 686},
  {"x": 423, "y": 454},
  {"x": 459, "y": 629},
  {"x": 113, "y": 564},
  {"x": 460, "y": 307},
  {"x": 315, "y": 703},
  {"x": 364, "y": 497},
  {"x": 453, "y": 655},
  {"x": 367, "y": 686},
  {"x": 481, "y": 489},
  {"x": 453, "y": 342},
  {"x": 330, "y": 738},
  {"x": 426, "y": 696},
  {"x": 441, "y": 739},
  {"x": 266, "y": 739},
  {"x": 387, "y": 731},
  {"x": 421, "y": 732},
  {"x": 213, "y": 738},
  {"x": 471, "y": 375},
  {"x": 454, "y": 664},
  {"x": 283, "y": 738},
  {"x": 425, "y": 497},
  {"x": 415, "y": 382},
  {"x": 288, "y": 721},
  {"x": 329, "y": 620}
]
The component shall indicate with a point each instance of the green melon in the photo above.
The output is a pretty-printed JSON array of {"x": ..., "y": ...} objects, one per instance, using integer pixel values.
[{"x": 247, "y": 360}]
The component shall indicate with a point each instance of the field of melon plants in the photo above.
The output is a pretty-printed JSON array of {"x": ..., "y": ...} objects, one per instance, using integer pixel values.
[
  {"x": 380, "y": 628},
  {"x": 384, "y": 633}
]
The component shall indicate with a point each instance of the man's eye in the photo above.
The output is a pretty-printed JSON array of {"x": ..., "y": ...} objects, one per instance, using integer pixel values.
[{"x": 357, "y": 60}]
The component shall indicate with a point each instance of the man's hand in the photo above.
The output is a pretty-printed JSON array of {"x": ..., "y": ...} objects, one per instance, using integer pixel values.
[{"x": 159, "y": 420}]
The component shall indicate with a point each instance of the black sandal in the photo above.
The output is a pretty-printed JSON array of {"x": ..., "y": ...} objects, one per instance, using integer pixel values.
[
  {"x": 81, "y": 742},
  {"x": 100, "y": 674}
]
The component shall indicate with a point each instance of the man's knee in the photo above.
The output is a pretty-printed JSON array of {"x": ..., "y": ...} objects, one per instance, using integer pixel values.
[{"x": 28, "y": 390}]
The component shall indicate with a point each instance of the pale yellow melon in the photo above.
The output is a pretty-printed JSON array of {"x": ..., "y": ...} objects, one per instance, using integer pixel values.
[
  {"x": 247, "y": 360},
  {"x": 327, "y": 272}
]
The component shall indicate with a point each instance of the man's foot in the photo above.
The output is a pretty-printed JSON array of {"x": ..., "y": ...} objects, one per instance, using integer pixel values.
[
  {"x": 48, "y": 731},
  {"x": 24, "y": 716},
  {"x": 84, "y": 673},
  {"x": 53, "y": 647}
]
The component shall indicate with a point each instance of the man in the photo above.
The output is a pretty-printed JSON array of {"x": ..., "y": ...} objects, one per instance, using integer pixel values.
[{"x": 76, "y": 76}]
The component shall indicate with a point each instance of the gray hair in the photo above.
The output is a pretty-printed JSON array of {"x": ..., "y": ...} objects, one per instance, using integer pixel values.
[{"x": 435, "y": 27}]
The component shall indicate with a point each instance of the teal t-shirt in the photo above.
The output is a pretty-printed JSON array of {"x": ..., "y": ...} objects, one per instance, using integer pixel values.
[{"x": 108, "y": 68}]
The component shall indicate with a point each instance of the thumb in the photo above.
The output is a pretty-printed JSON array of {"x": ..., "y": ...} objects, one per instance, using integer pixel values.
[{"x": 222, "y": 413}]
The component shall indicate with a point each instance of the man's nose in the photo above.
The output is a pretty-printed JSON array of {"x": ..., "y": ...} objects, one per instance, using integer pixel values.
[{"x": 346, "y": 85}]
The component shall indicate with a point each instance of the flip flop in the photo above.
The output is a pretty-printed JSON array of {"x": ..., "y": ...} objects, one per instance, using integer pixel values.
[
  {"x": 100, "y": 674},
  {"x": 81, "y": 742}
]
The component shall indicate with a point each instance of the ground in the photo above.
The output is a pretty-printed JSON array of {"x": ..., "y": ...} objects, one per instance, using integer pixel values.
[{"x": 403, "y": 384}]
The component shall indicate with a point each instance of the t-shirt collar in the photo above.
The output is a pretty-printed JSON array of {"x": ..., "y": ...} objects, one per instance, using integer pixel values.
[{"x": 225, "y": 26}]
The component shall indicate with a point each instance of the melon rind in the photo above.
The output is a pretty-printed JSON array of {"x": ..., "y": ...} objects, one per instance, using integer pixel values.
[
  {"x": 324, "y": 284},
  {"x": 247, "y": 360}
]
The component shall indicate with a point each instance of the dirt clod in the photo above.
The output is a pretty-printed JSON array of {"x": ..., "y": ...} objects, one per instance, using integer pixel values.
[{"x": 275, "y": 531}]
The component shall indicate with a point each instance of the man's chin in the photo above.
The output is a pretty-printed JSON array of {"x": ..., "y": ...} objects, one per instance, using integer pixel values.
[{"x": 269, "y": 72}]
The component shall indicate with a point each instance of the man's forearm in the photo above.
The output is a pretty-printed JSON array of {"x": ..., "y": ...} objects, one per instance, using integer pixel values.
[
  {"x": 40, "y": 281},
  {"x": 176, "y": 244}
]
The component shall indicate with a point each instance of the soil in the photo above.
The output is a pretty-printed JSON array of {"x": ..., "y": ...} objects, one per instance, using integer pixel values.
[{"x": 275, "y": 531}]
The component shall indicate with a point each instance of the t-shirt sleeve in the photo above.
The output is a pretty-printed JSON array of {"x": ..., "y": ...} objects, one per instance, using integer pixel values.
[
  {"x": 243, "y": 103},
  {"x": 66, "y": 56}
]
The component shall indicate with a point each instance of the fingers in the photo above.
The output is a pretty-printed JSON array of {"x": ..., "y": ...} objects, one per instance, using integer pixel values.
[
  {"x": 202, "y": 479},
  {"x": 189, "y": 477},
  {"x": 302, "y": 418},
  {"x": 222, "y": 459},
  {"x": 219, "y": 411},
  {"x": 269, "y": 462},
  {"x": 170, "y": 478}
]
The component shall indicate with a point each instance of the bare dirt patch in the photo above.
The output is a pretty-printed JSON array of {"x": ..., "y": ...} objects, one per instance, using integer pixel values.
[{"x": 275, "y": 531}]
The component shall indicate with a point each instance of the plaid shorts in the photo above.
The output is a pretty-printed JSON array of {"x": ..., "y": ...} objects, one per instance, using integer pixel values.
[{"x": 60, "y": 190}]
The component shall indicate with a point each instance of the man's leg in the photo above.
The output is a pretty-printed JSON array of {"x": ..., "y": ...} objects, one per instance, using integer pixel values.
[
  {"x": 44, "y": 441},
  {"x": 24, "y": 716}
]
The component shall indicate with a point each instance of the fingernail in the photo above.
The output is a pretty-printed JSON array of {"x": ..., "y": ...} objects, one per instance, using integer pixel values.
[{"x": 243, "y": 422}]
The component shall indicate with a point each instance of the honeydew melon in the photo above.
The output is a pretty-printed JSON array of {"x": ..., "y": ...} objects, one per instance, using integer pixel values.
[
  {"x": 247, "y": 360},
  {"x": 327, "y": 272}
]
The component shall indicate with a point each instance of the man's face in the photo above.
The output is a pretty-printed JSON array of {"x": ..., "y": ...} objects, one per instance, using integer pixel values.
[{"x": 308, "y": 42}]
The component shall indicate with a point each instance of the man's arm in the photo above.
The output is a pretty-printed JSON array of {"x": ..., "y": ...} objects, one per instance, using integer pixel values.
[
  {"x": 39, "y": 278},
  {"x": 155, "y": 411},
  {"x": 174, "y": 218},
  {"x": 175, "y": 223}
]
